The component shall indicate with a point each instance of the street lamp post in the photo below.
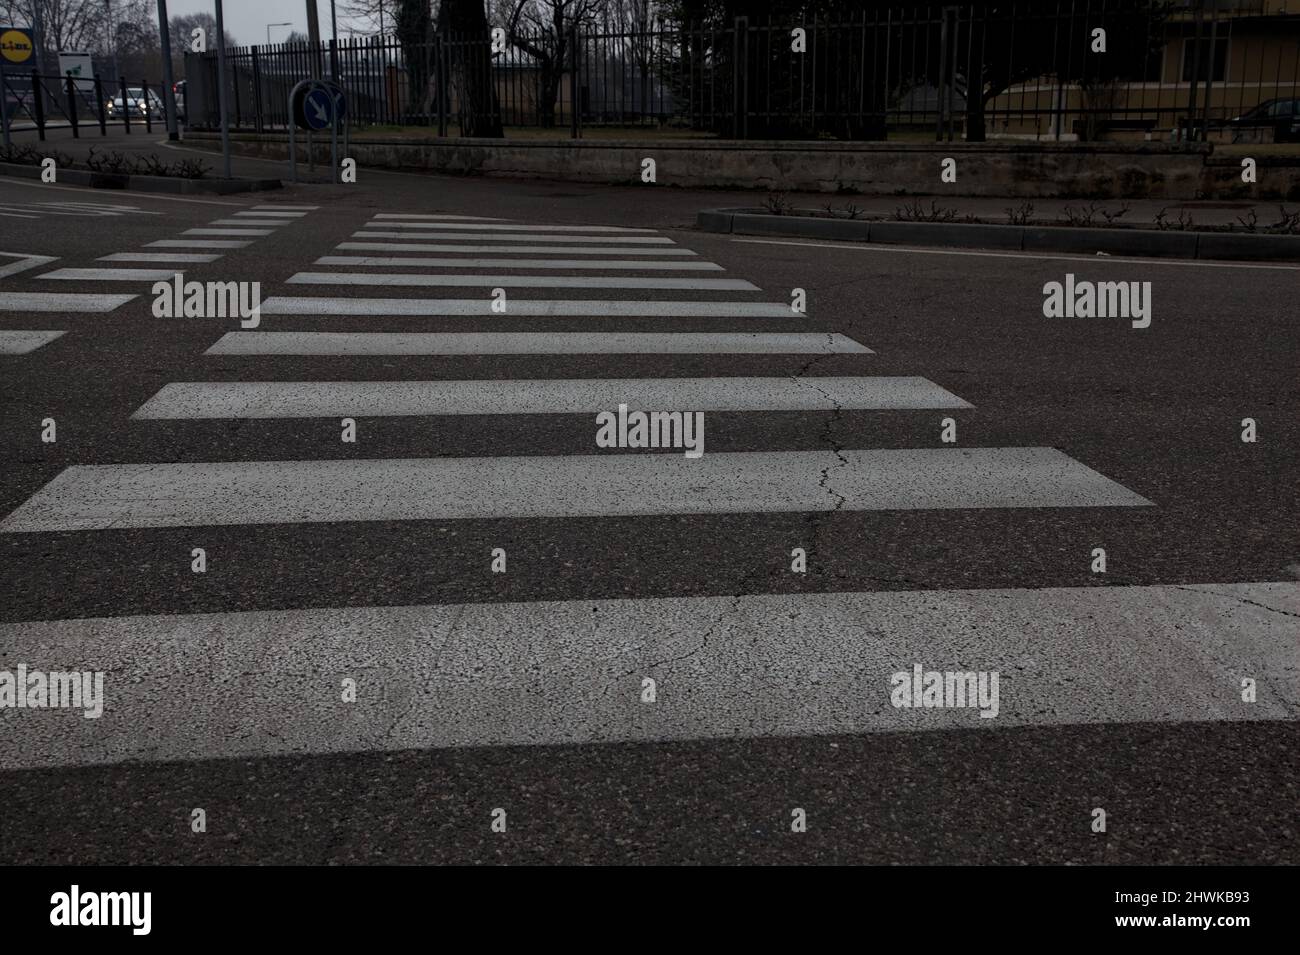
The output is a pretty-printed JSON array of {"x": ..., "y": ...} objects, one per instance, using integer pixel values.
[
  {"x": 268, "y": 30},
  {"x": 334, "y": 30},
  {"x": 112, "y": 35},
  {"x": 169, "y": 96}
]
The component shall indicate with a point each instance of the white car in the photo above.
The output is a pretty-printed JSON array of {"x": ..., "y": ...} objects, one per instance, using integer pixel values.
[{"x": 137, "y": 98}]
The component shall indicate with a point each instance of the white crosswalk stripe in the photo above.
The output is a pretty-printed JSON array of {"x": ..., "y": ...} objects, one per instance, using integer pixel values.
[
  {"x": 461, "y": 279},
  {"x": 97, "y": 497},
  {"x": 273, "y": 223},
  {"x": 509, "y": 249},
  {"x": 109, "y": 275},
  {"x": 518, "y": 237},
  {"x": 258, "y": 232},
  {"x": 421, "y": 215},
  {"x": 513, "y": 227},
  {"x": 199, "y": 244},
  {"x": 535, "y": 674},
  {"x": 60, "y": 302},
  {"x": 418, "y": 261},
  {"x": 194, "y": 257},
  {"x": 590, "y": 308},
  {"x": 535, "y": 343},
  {"x": 15, "y": 342},
  {"x": 305, "y": 399}
]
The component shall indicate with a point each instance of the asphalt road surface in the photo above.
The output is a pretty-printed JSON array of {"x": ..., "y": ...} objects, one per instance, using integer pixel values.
[{"x": 475, "y": 616}]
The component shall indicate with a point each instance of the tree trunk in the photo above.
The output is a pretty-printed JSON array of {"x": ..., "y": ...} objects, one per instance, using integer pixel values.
[
  {"x": 975, "y": 132},
  {"x": 471, "y": 67}
]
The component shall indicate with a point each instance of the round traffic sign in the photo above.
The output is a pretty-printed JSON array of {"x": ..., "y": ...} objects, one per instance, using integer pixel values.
[{"x": 318, "y": 108}]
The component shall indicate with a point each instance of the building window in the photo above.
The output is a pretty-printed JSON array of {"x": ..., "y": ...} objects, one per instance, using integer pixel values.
[{"x": 1220, "y": 59}]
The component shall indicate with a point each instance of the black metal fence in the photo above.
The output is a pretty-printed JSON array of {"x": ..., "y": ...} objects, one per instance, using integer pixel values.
[
  {"x": 1048, "y": 69},
  {"x": 38, "y": 103}
]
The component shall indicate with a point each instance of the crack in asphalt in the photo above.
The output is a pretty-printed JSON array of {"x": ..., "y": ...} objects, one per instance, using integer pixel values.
[
  {"x": 816, "y": 519},
  {"x": 1241, "y": 600}
]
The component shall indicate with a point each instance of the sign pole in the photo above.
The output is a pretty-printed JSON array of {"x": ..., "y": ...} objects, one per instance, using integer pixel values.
[
  {"x": 4, "y": 113},
  {"x": 221, "y": 92}
]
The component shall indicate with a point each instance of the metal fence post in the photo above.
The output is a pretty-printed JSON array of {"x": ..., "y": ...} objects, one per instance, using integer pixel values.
[
  {"x": 574, "y": 99},
  {"x": 4, "y": 113},
  {"x": 740, "y": 79},
  {"x": 38, "y": 102},
  {"x": 944, "y": 86},
  {"x": 144, "y": 96},
  {"x": 257, "y": 93},
  {"x": 444, "y": 71},
  {"x": 72, "y": 106},
  {"x": 1209, "y": 76},
  {"x": 99, "y": 100},
  {"x": 126, "y": 104},
  {"x": 1190, "y": 133}
]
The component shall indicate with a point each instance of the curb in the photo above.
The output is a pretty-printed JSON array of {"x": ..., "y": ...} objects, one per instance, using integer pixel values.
[
  {"x": 116, "y": 180},
  {"x": 1132, "y": 242}
]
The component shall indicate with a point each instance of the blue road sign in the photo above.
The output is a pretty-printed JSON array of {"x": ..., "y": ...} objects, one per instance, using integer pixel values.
[
  {"x": 318, "y": 109},
  {"x": 340, "y": 101}
]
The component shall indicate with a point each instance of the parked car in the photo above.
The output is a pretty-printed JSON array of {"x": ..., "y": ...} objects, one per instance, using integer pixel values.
[
  {"x": 1283, "y": 115},
  {"x": 138, "y": 100}
]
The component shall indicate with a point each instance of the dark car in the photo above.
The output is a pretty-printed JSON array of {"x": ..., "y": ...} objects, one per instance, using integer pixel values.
[{"x": 1282, "y": 115}]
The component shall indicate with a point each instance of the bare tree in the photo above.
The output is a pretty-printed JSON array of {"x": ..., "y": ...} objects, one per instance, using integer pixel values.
[{"x": 542, "y": 30}]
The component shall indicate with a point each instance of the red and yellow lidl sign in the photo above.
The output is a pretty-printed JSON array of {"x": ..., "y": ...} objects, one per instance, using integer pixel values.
[{"x": 16, "y": 45}]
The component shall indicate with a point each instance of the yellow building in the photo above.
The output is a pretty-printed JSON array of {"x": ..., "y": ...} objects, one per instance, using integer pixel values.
[{"x": 1249, "y": 54}]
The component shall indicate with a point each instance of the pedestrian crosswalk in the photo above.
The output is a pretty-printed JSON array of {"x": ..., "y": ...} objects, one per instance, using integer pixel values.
[
  {"x": 751, "y": 665},
  {"x": 127, "y": 267}
]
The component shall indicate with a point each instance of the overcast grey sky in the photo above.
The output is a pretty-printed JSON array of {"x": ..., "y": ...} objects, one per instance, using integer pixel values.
[{"x": 246, "y": 20}]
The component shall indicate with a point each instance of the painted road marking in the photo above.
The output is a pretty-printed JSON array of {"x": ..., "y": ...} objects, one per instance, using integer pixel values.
[
  {"x": 119, "y": 496},
  {"x": 404, "y": 279},
  {"x": 199, "y": 244},
  {"x": 506, "y": 249},
  {"x": 13, "y": 342},
  {"x": 60, "y": 302},
  {"x": 535, "y": 343},
  {"x": 774, "y": 665},
  {"x": 330, "y": 399},
  {"x": 158, "y": 257},
  {"x": 594, "y": 308},
  {"x": 521, "y": 237},
  {"x": 24, "y": 262},
  {"x": 425, "y": 262},
  {"x": 226, "y": 232},
  {"x": 110, "y": 275}
]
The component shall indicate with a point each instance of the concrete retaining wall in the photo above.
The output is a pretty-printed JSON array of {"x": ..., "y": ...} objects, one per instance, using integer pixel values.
[{"x": 1037, "y": 170}]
